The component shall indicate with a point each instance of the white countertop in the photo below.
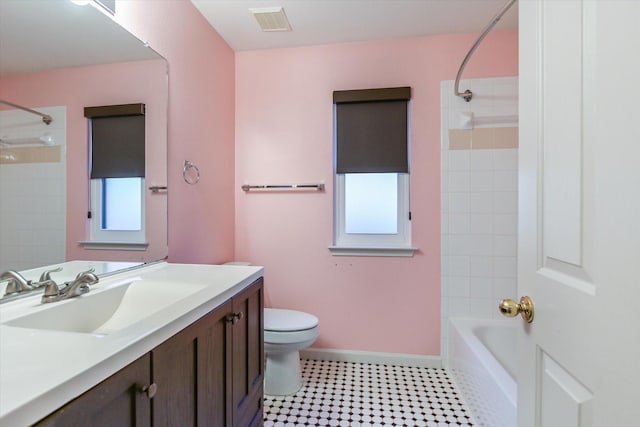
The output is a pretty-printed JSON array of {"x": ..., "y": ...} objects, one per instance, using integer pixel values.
[
  {"x": 71, "y": 268},
  {"x": 41, "y": 370}
]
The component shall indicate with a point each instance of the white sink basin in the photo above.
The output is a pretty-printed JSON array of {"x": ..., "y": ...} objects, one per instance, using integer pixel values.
[{"x": 107, "y": 311}]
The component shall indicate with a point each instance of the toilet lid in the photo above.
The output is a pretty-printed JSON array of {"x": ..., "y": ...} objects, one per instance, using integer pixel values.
[{"x": 276, "y": 319}]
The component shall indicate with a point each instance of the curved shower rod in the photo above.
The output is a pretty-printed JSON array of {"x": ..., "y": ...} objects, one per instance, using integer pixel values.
[
  {"x": 45, "y": 117},
  {"x": 467, "y": 94}
]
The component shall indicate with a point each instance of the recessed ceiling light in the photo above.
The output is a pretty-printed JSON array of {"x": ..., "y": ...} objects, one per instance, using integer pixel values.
[{"x": 271, "y": 18}]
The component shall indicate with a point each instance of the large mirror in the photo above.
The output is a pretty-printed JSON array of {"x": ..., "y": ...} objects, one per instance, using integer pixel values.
[{"x": 58, "y": 57}]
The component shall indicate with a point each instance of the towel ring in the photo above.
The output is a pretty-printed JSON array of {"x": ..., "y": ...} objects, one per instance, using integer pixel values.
[{"x": 190, "y": 178}]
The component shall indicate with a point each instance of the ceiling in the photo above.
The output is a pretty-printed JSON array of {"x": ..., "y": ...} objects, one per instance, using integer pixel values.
[
  {"x": 338, "y": 21},
  {"x": 39, "y": 35}
]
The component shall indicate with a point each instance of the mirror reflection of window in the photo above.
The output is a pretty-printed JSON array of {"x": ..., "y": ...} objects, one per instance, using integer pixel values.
[
  {"x": 117, "y": 172},
  {"x": 122, "y": 204}
]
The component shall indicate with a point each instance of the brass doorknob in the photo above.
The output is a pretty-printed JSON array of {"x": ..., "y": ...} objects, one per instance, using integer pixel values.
[{"x": 510, "y": 308}]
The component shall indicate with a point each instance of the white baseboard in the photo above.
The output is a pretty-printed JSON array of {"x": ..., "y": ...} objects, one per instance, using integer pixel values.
[{"x": 394, "y": 359}]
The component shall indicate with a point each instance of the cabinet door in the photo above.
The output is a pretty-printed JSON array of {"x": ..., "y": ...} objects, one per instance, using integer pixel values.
[
  {"x": 192, "y": 370},
  {"x": 117, "y": 401},
  {"x": 248, "y": 356}
]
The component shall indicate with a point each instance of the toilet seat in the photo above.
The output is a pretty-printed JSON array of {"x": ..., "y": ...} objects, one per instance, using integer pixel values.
[{"x": 279, "y": 320}]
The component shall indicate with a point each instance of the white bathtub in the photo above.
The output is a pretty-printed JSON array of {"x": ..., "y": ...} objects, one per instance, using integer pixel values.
[{"x": 482, "y": 360}]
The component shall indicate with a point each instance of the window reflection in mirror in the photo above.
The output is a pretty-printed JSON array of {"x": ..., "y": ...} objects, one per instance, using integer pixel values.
[{"x": 123, "y": 70}]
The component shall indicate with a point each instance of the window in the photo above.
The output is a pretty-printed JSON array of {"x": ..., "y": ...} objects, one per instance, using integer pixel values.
[
  {"x": 117, "y": 170},
  {"x": 372, "y": 214}
]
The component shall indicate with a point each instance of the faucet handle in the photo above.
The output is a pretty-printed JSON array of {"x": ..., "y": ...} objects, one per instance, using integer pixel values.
[
  {"x": 51, "y": 291},
  {"x": 47, "y": 274},
  {"x": 17, "y": 283},
  {"x": 50, "y": 288},
  {"x": 82, "y": 273}
]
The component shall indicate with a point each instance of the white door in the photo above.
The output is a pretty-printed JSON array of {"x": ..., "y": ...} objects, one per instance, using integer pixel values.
[{"x": 579, "y": 224}]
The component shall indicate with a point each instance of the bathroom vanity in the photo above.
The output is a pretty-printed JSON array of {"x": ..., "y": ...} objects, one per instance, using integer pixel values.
[{"x": 167, "y": 344}]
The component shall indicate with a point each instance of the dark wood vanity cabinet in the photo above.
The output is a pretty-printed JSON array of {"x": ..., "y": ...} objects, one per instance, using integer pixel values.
[
  {"x": 117, "y": 401},
  {"x": 209, "y": 374},
  {"x": 248, "y": 357}
]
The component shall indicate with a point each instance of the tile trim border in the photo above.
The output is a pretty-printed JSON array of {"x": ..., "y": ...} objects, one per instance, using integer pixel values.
[
  {"x": 356, "y": 356},
  {"x": 21, "y": 155},
  {"x": 483, "y": 138}
]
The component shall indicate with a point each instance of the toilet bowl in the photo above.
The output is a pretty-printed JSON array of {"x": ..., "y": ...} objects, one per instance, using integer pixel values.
[{"x": 286, "y": 332}]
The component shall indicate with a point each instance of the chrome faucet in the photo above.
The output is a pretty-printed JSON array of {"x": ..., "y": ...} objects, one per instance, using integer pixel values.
[
  {"x": 17, "y": 283},
  {"x": 77, "y": 287}
]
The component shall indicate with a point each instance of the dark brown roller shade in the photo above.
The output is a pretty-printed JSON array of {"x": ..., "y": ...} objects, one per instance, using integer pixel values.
[
  {"x": 117, "y": 141},
  {"x": 375, "y": 95},
  {"x": 371, "y": 130},
  {"x": 114, "y": 110}
]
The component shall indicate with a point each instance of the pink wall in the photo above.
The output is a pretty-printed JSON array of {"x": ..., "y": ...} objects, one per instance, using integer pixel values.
[
  {"x": 201, "y": 124},
  {"x": 79, "y": 87},
  {"x": 284, "y": 135}
]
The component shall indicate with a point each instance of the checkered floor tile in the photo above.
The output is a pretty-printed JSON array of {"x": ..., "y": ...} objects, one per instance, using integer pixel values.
[{"x": 359, "y": 395}]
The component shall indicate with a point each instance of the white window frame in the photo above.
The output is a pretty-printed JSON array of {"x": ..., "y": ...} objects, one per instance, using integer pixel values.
[
  {"x": 345, "y": 244},
  {"x": 113, "y": 239},
  {"x": 360, "y": 244}
]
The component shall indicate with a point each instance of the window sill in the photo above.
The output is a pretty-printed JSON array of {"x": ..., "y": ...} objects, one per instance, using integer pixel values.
[
  {"x": 115, "y": 246},
  {"x": 371, "y": 251}
]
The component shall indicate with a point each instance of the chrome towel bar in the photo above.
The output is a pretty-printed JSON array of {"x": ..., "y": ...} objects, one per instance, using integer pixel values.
[{"x": 319, "y": 187}]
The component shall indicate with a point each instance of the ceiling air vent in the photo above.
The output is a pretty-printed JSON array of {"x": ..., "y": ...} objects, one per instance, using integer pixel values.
[{"x": 271, "y": 18}]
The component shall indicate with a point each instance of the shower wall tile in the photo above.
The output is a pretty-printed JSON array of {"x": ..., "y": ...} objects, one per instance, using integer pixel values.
[
  {"x": 459, "y": 265},
  {"x": 481, "y": 223},
  {"x": 482, "y": 160},
  {"x": 506, "y": 159},
  {"x": 506, "y": 137},
  {"x": 481, "y": 266},
  {"x": 482, "y": 139},
  {"x": 479, "y": 202},
  {"x": 504, "y": 245},
  {"x": 505, "y": 202},
  {"x": 504, "y": 266},
  {"x": 481, "y": 288},
  {"x": 505, "y": 180},
  {"x": 458, "y": 202},
  {"x": 444, "y": 202},
  {"x": 459, "y": 181},
  {"x": 33, "y": 225},
  {"x": 481, "y": 181},
  {"x": 505, "y": 224},
  {"x": 482, "y": 307},
  {"x": 503, "y": 287},
  {"x": 459, "y": 139},
  {"x": 458, "y": 223},
  {"x": 459, "y": 160},
  {"x": 459, "y": 286},
  {"x": 479, "y": 244}
]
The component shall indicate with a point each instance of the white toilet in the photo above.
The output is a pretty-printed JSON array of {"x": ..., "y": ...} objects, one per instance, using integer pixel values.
[{"x": 286, "y": 332}]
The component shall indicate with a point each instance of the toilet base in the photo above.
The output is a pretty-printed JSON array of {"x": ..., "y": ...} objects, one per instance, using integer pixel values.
[{"x": 282, "y": 375}]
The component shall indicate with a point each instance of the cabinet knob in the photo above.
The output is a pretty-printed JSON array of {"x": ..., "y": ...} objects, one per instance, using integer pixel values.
[
  {"x": 150, "y": 390},
  {"x": 233, "y": 318}
]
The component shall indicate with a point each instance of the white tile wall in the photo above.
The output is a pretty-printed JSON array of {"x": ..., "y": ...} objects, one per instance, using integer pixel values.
[
  {"x": 33, "y": 206},
  {"x": 479, "y": 208}
]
